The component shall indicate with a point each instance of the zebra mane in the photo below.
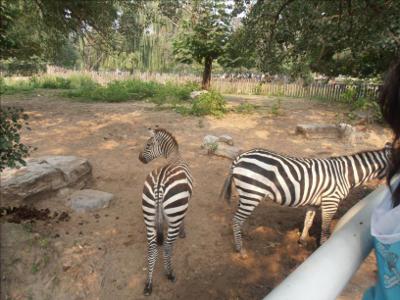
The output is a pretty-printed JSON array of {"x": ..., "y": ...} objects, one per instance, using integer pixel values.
[
  {"x": 166, "y": 132},
  {"x": 360, "y": 152}
]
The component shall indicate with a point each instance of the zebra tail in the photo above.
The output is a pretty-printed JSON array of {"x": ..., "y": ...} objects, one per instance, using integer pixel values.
[
  {"x": 159, "y": 223},
  {"x": 226, "y": 191}
]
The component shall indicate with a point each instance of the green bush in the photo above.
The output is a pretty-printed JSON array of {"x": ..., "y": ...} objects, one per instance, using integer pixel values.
[
  {"x": 211, "y": 103},
  {"x": 12, "y": 151}
]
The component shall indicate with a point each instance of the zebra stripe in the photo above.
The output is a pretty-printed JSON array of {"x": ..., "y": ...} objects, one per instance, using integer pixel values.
[
  {"x": 166, "y": 194},
  {"x": 296, "y": 181}
]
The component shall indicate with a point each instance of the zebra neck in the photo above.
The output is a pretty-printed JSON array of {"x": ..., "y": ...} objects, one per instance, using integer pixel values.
[
  {"x": 368, "y": 165},
  {"x": 174, "y": 157}
]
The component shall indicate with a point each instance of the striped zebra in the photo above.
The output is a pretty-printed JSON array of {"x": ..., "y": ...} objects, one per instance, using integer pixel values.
[
  {"x": 295, "y": 182},
  {"x": 165, "y": 197}
]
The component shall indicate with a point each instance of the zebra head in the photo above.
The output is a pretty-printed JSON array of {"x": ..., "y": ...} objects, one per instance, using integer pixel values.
[{"x": 160, "y": 143}]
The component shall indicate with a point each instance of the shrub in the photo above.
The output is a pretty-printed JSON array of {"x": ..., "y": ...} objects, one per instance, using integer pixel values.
[
  {"x": 211, "y": 103},
  {"x": 12, "y": 151}
]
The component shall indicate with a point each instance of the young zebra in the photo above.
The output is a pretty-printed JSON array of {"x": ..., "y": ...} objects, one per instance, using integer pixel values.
[
  {"x": 166, "y": 195},
  {"x": 294, "y": 182}
]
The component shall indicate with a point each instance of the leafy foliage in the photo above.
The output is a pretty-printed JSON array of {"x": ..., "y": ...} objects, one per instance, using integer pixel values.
[
  {"x": 211, "y": 103},
  {"x": 12, "y": 151},
  {"x": 204, "y": 36},
  {"x": 349, "y": 37},
  {"x": 245, "y": 108}
]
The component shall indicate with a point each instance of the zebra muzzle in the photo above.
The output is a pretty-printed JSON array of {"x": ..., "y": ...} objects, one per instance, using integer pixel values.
[{"x": 141, "y": 158}]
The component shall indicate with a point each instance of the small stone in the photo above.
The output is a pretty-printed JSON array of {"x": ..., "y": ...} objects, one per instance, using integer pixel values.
[
  {"x": 225, "y": 150},
  {"x": 226, "y": 139},
  {"x": 89, "y": 200},
  {"x": 209, "y": 140}
]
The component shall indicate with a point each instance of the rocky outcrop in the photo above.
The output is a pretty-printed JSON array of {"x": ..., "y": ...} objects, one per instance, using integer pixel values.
[
  {"x": 44, "y": 175},
  {"x": 89, "y": 200},
  {"x": 329, "y": 131},
  {"x": 220, "y": 146}
]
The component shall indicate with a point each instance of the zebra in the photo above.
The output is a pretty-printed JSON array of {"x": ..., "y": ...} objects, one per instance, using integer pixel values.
[
  {"x": 166, "y": 194},
  {"x": 297, "y": 182}
]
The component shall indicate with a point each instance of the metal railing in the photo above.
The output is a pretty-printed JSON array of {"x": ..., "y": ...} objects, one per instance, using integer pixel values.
[{"x": 325, "y": 274}]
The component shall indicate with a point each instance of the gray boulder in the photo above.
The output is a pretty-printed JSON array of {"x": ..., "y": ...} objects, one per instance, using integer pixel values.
[
  {"x": 225, "y": 150},
  {"x": 44, "y": 175},
  {"x": 329, "y": 131},
  {"x": 221, "y": 146},
  {"x": 88, "y": 200}
]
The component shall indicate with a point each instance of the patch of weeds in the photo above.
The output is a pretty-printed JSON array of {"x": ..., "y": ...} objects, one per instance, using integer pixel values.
[
  {"x": 245, "y": 108},
  {"x": 44, "y": 243},
  {"x": 9, "y": 86},
  {"x": 126, "y": 90},
  {"x": 212, "y": 147},
  {"x": 51, "y": 82},
  {"x": 35, "y": 268},
  {"x": 27, "y": 227},
  {"x": 276, "y": 108}
]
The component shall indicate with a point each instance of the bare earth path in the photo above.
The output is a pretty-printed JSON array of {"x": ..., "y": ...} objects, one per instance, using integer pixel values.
[{"x": 102, "y": 255}]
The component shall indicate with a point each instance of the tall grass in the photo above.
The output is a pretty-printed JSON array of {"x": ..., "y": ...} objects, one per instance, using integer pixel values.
[
  {"x": 125, "y": 90},
  {"x": 86, "y": 89},
  {"x": 10, "y": 86}
]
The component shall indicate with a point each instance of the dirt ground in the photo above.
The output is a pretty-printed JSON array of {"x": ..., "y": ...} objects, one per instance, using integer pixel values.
[{"x": 102, "y": 255}]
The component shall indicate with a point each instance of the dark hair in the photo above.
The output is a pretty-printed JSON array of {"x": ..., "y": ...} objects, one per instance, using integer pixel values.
[{"x": 390, "y": 105}]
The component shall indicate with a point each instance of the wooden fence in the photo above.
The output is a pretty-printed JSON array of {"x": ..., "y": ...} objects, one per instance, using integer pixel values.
[{"x": 331, "y": 91}]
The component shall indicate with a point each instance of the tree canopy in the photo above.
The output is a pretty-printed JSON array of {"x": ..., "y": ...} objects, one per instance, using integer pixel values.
[{"x": 350, "y": 37}]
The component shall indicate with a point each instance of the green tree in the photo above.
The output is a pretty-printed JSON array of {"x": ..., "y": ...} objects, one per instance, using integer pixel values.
[
  {"x": 204, "y": 35},
  {"x": 349, "y": 37},
  {"x": 43, "y": 28}
]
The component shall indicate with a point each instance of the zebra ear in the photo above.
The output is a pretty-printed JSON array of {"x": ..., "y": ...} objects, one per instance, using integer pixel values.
[{"x": 151, "y": 131}]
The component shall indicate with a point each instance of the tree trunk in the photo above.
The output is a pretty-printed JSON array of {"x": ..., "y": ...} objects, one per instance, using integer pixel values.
[{"x": 205, "y": 85}]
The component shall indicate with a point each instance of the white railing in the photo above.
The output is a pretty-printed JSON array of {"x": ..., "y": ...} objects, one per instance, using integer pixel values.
[{"x": 325, "y": 274}]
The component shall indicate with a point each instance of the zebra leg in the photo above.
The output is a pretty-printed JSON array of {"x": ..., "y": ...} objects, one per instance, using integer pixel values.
[
  {"x": 244, "y": 210},
  {"x": 328, "y": 210},
  {"x": 182, "y": 232},
  {"x": 308, "y": 221},
  {"x": 151, "y": 260},
  {"x": 173, "y": 232}
]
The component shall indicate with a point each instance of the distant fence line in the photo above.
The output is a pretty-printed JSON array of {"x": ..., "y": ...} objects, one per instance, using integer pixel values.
[{"x": 328, "y": 91}]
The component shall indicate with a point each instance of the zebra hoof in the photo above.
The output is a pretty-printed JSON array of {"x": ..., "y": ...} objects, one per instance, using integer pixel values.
[
  {"x": 182, "y": 235},
  {"x": 148, "y": 288},
  {"x": 243, "y": 254},
  {"x": 302, "y": 242},
  {"x": 171, "y": 277}
]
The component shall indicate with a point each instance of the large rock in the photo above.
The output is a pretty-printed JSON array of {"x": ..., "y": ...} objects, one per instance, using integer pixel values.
[
  {"x": 329, "y": 131},
  {"x": 89, "y": 200},
  {"x": 225, "y": 150},
  {"x": 44, "y": 175},
  {"x": 221, "y": 146}
]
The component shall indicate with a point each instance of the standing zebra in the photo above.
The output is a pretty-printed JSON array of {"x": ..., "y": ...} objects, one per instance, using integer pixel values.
[
  {"x": 166, "y": 195},
  {"x": 294, "y": 182}
]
